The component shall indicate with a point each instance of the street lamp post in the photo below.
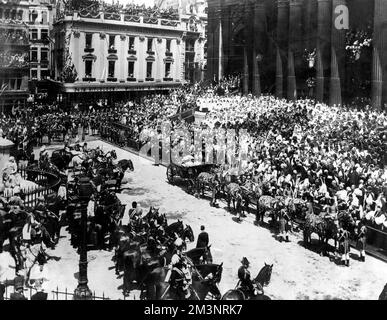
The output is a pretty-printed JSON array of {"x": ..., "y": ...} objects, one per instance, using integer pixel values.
[{"x": 82, "y": 292}]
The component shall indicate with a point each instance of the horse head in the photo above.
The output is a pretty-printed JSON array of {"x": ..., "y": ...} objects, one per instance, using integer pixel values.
[{"x": 188, "y": 234}]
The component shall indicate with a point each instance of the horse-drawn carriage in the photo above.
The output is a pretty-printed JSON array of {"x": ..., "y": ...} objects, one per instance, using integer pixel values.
[{"x": 187, "y": 173}]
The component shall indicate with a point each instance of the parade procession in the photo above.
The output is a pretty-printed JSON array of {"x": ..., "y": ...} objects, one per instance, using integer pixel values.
[{"x": 169, "y": 150}]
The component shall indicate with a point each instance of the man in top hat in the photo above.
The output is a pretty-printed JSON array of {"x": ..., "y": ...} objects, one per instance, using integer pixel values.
[
  {"x": 203, "y": 238},
  {"x": 19, "y": 289},
  {"x": 245, "y": 278},
  {"x": 40, "y": 294}
]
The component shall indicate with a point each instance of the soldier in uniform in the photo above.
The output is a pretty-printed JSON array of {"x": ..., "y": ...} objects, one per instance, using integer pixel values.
[
  {"x": 244, "y": 276},
  {"x": 283, "y": 223},
  {"x": 361, "y": 240},
  {"x": 203, "y": 238},
  {"x": 343, "y": 239}
]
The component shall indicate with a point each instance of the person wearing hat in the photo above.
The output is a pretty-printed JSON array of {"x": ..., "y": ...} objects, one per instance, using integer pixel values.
[
  {"x": 244, "y": 276},
  {"x": 40, "y": 294},
  {"x": 361, "y": 240},
  {"x": 203, "y": 238},
  {"x": 19, "y": 289},
  {"x": 343, "y": 240}
]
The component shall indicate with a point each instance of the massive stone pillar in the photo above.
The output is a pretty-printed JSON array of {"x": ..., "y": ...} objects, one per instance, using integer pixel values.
[
  {"x": 324, "y": 22},
  {"x": 380, "y": 41},
  {"x": 283, "y": 24},
  {"x": 377, "y": 80},
  {"x": 279, "y": 78},
  {"x": 319, "y": 77},
  {"x": 292, "y": 88},
  {"x": 214, "y": 7},
  {"x": 334, "y": 85},
  {"x": 249, "y": 38},
  {"x": 295, "y": 25},
  {"x": 226, "y": 36},
  {"x": 338, "y": 39},
  {"x": 310, "y": 19},
  {"x": 245, "y": 71},
  {"x": 256, "y": 78}
]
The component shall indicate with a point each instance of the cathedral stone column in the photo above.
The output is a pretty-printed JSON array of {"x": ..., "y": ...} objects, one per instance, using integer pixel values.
[
  {"x": 338, "y": 39},
  {"x": 283, "y": 23},
  {"x": 380, "y": 43},
  {"x": 292, "y": 87},
  {"x": 245, "y": 72},
  {"x": 377, "y": 80},
  {"x": 319, "y": 77},
  {"x": 256, "y": 78},
  {"x": 279, "y": 78},
  {"x": 226, "y": 36},
  {"x": 324, "y": 21},
  {"x": 334, "y": 86}
]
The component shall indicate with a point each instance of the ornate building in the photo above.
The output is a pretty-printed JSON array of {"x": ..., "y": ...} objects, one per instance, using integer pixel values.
[
  {"x": 40, "y": 21},
  {"x": 330, "y": 50},
  {"x": 193, "y": 14},
  {"x": 111, "y": 52},
  {"x": 14, "y": 51}
]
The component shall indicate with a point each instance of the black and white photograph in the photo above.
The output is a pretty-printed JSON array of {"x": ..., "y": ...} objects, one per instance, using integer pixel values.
[{"x": 193, "y": 150}]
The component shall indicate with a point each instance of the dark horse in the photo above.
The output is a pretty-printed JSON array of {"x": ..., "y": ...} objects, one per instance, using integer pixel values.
[
  {"x": 200, "y": 255},
  {"x": 178, "y": 228},
  {"x": 263, "y": 279},
  {"x": 157, "y": 289}
]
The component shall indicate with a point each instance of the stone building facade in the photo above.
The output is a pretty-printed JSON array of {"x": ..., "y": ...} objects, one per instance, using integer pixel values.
[
  {"x": 114, "y": 53},
  {"x": 330, "y": 50}
]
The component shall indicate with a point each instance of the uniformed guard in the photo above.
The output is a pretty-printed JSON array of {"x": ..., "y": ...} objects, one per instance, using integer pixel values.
[
  {"x": 344, "y": 249},
  {"x": 244, "y": 276},
  {"x": 361, "y": 240}
]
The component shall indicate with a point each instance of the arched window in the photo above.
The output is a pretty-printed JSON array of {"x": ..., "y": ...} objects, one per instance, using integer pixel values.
[
  {"x": 20, "y": 15},
  {"x": 44, "y": 17},
  {"x": 13, "y": 14},
  {"x": 33, "y": 16}
]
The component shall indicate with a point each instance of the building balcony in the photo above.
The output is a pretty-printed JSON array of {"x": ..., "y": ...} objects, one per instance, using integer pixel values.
[
  {"x": 168, "y": 54},
  {"x": 167, "y": 79},
  {"x": 132, "y": 51},
  {"x": 112, "y": 51},
  {"x": 150, "y": 52},
  {"x": 149, "y": 79},
  {"x": 89, "y": 50},
  {"x": 131, "y": 79},
  {"x": 111, "y": 79}
]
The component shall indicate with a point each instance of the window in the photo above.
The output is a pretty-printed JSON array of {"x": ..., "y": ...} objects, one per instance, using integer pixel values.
[
  {"x": 168, "y": 70},
  {"x": 6, "y": 14},
  {"x": 45, "y": 74},
  {"x": 168, "y": 45},
  {"x": 34, "y": 34},
  {"x": 131, "y": 69},
  {"x": 34, "y": 74},
  {"x": 149, "y": 69},
  {"x": 1, "y": 13},
  {"x": 34, "y": 54},
  {"x": 13, "y": 14},
  {"x": 89, "y": 40},
  {"x": 131, "y": 43},
  {"x": 112, "y": 40},
  {"x": 111, "y": 68},
  {"x": 88, "y": 68},
  {"x": 33, "y": 16},
  {"x": 150, "y": 43},
  {"x": 43, "y": 54},
  {"x": 44, "y": 34},
  {"x": 20, "y": 15},
  {"x": 44, "y": 17}
]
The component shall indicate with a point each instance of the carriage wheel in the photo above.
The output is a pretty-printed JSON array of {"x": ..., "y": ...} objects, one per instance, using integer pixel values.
[{"x": 170, "y": 175}]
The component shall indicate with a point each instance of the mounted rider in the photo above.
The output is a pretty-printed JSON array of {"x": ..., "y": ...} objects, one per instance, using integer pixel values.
[{"x": 245, "y": 283}]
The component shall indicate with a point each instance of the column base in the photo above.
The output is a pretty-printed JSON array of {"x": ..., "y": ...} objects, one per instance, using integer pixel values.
[{"x": 82, "y": 292}]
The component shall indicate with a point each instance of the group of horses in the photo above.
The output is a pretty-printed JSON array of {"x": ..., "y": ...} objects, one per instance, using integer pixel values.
[
  {"x": 144, "y": 251},
  {"x": 244, "y": 191}
]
